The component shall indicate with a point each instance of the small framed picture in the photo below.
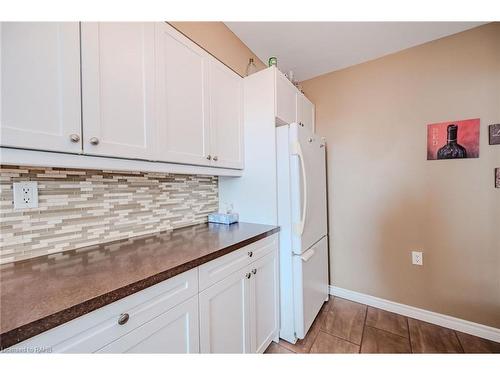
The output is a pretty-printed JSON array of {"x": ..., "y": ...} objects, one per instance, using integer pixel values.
[
  {"x": 495, "y": 134},
  {"x": 453, "y": 140},
  {"x": 497, "y": 178}
]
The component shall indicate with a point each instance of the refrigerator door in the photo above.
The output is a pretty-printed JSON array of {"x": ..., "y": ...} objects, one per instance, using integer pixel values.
[
  {"x": 308, "y": 187},
  {"x": 310, "y": 271}
]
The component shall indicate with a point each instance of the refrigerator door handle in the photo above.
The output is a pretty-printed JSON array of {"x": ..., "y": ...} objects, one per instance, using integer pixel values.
[
  {"x": 307, "y": 255},
  {"x": 297, "y": 150}
]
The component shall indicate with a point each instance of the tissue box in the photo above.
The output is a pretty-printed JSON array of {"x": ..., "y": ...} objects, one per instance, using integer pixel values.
[{"x": 223, "y": 218}]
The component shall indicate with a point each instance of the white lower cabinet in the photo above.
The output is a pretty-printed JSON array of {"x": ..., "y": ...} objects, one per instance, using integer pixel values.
[
  {"x": 235, "y": 312},
  {"x": 264, "y": 292},
  {"x": 129, "y": 317},
  {"x": 174, "y": 331},
  {"x": 239, "y": 314},
  {"x": 225, "y": 315}
]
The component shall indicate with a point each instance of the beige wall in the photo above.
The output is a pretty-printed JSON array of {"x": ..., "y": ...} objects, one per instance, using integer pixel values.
[
  {"x": 386, "y": 199},
  {"x": 221, "y": 42}
]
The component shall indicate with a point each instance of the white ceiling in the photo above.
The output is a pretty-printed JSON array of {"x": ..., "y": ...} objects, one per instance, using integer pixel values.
[{"x": 314, "y": 48}]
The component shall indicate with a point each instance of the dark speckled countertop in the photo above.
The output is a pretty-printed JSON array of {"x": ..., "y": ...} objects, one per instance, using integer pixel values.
[{"x": 44, "y": 292}]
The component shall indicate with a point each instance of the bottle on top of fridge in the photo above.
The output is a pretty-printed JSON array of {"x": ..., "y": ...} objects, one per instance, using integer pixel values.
[{"x": 251, "y": 67}]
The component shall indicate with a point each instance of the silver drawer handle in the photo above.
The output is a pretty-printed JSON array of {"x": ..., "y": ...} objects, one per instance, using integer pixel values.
[
  {"x": 254, "y": 271},
  {"x": 123, "y": 319},
  {"x": 250, "y": 254},
  {"x": 215, "y": 158},
  {"x": 209, "y": 157},
  {"x": 94, "y": 141},
  {"x": 248, "y": 275},
  {"x": 75, "y": 138}
]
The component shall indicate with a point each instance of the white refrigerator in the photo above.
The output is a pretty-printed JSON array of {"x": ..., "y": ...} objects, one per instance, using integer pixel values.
[{"x": 302, "y": 216}]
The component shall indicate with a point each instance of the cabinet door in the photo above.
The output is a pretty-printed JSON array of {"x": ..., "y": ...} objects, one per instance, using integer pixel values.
[
  {"x": 40, "y": 85},
  {"x": 264, "y": 301},
  {"x": 183, "y": 101},
  {"x": 226, "y": 116},
  {"x": 174, "y": 331},
  {"x": 285, "y": 99},
  {"x": 305, "y": 112},
  {"x": 118, "y": 89},
  {"x": 224, "y": 316}
]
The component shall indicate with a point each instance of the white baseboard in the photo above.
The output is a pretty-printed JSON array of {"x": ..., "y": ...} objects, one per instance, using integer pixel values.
[{"x": 480, "y": 330}]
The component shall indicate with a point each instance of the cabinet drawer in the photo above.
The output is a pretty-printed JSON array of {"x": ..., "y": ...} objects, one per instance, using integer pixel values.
[
  {"x": 264, "y": 247},
  {"x": 218, "y": 269},
  {"x": 174, "y": 331},
  {"x": 98, "y": 328}
]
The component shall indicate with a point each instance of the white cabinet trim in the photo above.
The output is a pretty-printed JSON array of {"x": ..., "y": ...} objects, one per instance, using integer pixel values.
[{"x": 14, "y": 156}]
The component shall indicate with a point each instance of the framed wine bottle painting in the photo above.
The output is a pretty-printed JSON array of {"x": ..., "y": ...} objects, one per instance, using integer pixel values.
[{"x": 453, "y": 140}]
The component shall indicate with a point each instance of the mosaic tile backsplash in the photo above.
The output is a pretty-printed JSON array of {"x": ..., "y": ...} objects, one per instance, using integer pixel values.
[{"x": 85, "y": 207}]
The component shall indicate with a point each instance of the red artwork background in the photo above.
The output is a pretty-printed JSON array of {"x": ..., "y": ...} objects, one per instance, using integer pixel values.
[{"x": 468, "y": 137}]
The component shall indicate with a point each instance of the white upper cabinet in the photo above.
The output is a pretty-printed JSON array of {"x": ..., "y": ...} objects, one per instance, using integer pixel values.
[
  {"x": 285, "y": 102},
  {"x": 130, "y": 90},
  {"x": 305, "y": 112},
  {"x": 226, "y": 116},
  {"x": 40, "y": 86},
  {"x": 183, "y": 98},
  {"x": 118, "y": 84}
]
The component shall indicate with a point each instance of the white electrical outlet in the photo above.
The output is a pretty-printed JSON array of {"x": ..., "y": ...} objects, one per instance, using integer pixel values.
[
  {"x": 25, "y": 195},
  {"x": 417, "y": 258}
]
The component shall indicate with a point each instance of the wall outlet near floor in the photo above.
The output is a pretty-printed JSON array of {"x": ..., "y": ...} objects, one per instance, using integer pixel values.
[
  {"x": 417, "y": 258},
  {"x": 25, "y": 195}
]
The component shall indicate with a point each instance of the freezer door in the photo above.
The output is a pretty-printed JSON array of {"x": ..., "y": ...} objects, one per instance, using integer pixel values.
[
  {"x": 308, "y": 187},
  {"x": 310, "y": 285}
]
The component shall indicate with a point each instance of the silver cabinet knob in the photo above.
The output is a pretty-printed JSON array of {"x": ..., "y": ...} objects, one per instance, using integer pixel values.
[
  {"x": 209, "y": 157},
  {"x": 94, "y": 141},
  {"x": 248, "y": 275},
  {"x": 250, "y": 254},
  {"x": 123, "y": 319},
  {"x": 75, "y": 138},
  {"x": 215, "y": 158},
  {"x": 254, "y": 271}
]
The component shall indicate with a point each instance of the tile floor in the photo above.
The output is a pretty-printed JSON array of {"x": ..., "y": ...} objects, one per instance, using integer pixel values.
[{"x": 344, "y": 326}]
